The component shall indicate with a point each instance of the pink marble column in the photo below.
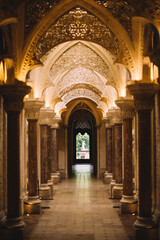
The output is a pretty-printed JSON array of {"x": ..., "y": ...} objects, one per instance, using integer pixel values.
[
  {"x": 144, "y": 102},
  {"x": 128, "y": 203},
  {"x": 32, "y": 108},
  {"x": 108, "y": 174},
  {"x": 13, "y": 103}
]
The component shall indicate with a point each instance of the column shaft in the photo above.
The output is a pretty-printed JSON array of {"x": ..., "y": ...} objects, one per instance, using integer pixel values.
[
  {"x": 13, "y": 166},
  {"x": 48, "y": 153},
  {"x": 113, "y": 152},
  {"x": 54, "y": 151},
  {"x": 44, "y": 154},
  {"x": 109, "y": 150},
  {"x": 127, "y": 144},
  {"x": 144, "y": 138},
  {"x": 32, "y": 158},
  {"x": 118, "y": 153}
]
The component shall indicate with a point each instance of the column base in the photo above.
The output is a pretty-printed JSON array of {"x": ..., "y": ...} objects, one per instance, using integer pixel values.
[
  {"x": 14, "y": 223},
  {"x": 107, "y": 178},
  {"x": 117, "y": 191},
  {"x": 144, "y": 223},
  {"x": 32, "y": 205},
  {"x": 2, "y": 218},
  {"x": 112, "y": 184},
  {"x": 50, "y": 184},
  {"x": 55, "y": 178},
  {"x": 44, "y": 191},
  {"x": 128, "y": 204}
]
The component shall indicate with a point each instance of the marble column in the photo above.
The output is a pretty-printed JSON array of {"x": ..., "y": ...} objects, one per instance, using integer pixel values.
[
  {"x": 128, "y": 203},
  {"x": 117, "y": 191},
  {"x": 144, "y": 102},
  {"x": 13, "y": 103},
  {"x": 55, "y": 176},
  {"x": 108, "y": 174},
  {"x": 33, "y": 204},
  {"x": 46, "y": 186}
]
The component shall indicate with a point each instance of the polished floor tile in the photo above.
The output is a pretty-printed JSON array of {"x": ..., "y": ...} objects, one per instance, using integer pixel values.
[{"x": 81, "y": 210}]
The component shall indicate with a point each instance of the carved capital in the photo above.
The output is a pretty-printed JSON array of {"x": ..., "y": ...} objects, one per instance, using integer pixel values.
[
  {"x": 56, "y": 121},
  {"x": 143, "y": 94},
  {"x": 32, "y": 108},
  {"x": 115, "y": 116},
  {"x": 13, "y": 95},
  {"x": 46, "y": 116},
  {"x": 126, "y": 106}
]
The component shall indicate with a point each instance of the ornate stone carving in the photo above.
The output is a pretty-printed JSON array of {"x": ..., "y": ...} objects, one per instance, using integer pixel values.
[
  {"x": 77, "y": 24},
  {"x": 36, "y": 9},
  {"x": 81, "y": 93},
  {"x": 114, "y": 116},
  {"x": 122, "y": 10},
  {"x": 126, "y": 106},
  {"x": 143, "y": 94},
  {"x": 13, "y": 96},
  {"x": 81, "y": 75},
  {"x": 81, "y": 105},
  {"x": 80, "y": 55},
  {"x": 32, "y": 108}
]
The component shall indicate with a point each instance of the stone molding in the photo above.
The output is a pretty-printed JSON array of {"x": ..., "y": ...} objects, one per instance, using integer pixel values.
[
  {"x": 13, "y": 95},
  {"x": 46, "y": 116},
  {"x": 32, "y": 108},
  {"x": 126, "y": 106},
  {"x": 143, "y": 94},
  {"x": 56, "y": 121}
]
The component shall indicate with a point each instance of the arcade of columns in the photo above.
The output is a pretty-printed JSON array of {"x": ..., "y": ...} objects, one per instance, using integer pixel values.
[{"x": 132, "y": 140}]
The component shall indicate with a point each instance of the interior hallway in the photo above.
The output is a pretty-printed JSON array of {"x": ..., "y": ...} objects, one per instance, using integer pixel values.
[{"x": 81, "y": 210}]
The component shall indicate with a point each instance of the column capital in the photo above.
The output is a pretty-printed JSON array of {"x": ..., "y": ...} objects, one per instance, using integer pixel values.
[
  {"x": 32, "y": 108},
  {"x": 115, "y": 116},
  {"x": 56, "y": 121},
  {"x": 143, "y": 94},
  {"x": 13, "y": 95},
  {"x": 126, "y": 106},
  {"x": 46, "y": 116}
]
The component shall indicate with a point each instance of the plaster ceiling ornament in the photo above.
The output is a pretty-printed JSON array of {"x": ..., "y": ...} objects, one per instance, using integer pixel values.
[
  {"x": 80, "y": 24},
  {"x": 80, "y": 55},
  {"x": 80, "y": 75},
  {"x": 80, "y": 93},
  {"x": 122, "y": 10},
  {"x": 36, "y": 9}
]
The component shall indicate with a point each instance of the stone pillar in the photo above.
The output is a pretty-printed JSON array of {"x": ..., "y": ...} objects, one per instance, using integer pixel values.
[
  {"x": 117, "y": 191},
  {"x": 13, "y": 103},
  {"x": 50, "y": 183},
  {"x": 144, "y": 101},
  {"x": 33, "y": 204},
  {"x": 108, "y": 174},
  {"x": 128, "y": 203},
  {"x": 55, "y": 175},
  {"x": 113, "y": 114},
  {"x": 46, "y": 186}
]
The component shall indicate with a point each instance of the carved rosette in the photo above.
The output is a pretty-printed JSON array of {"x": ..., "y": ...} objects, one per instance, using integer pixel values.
[
  {"x": 13, "y": 96},
  {"x": 32, "y": 108},
  {"x": 46, "y": 116},
  {"x": 143, "y": 94},
  {"x": 126, "y": 106}
]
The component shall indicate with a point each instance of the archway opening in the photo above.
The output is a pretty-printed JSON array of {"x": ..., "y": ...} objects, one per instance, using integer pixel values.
[{"x": 82, "y": 141}]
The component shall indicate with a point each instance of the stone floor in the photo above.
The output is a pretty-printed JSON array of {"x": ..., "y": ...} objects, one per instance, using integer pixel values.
[{"x": 81, "y": 210}]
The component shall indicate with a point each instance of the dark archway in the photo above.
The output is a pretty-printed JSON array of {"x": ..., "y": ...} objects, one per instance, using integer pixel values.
[{"x": 82, "y": 121}]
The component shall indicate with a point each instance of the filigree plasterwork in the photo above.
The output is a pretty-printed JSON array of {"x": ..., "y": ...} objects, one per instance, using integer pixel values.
[
  {"x": 122, "y": 10},
  {"x": 79, "y": 86},
  {"x": 81, "y": 105},
  {"x": 36, "y": 9},
  {"x": 80, "y": 75},
  {"x": 77, "y": 24},
  {"x": 80, "y": 55},
  {"x": 81, "y": 93}
]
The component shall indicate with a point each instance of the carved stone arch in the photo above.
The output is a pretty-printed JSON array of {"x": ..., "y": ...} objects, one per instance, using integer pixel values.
[{"x": 104, "y": 15}]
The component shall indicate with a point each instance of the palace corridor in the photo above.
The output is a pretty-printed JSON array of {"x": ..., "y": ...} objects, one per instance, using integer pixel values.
[{"x": 81, "y": 210}]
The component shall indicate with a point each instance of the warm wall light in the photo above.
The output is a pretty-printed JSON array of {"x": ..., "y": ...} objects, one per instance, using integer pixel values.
[
  {"x": 3, "y": 71},
  {"x": 152, "y": 71}
]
